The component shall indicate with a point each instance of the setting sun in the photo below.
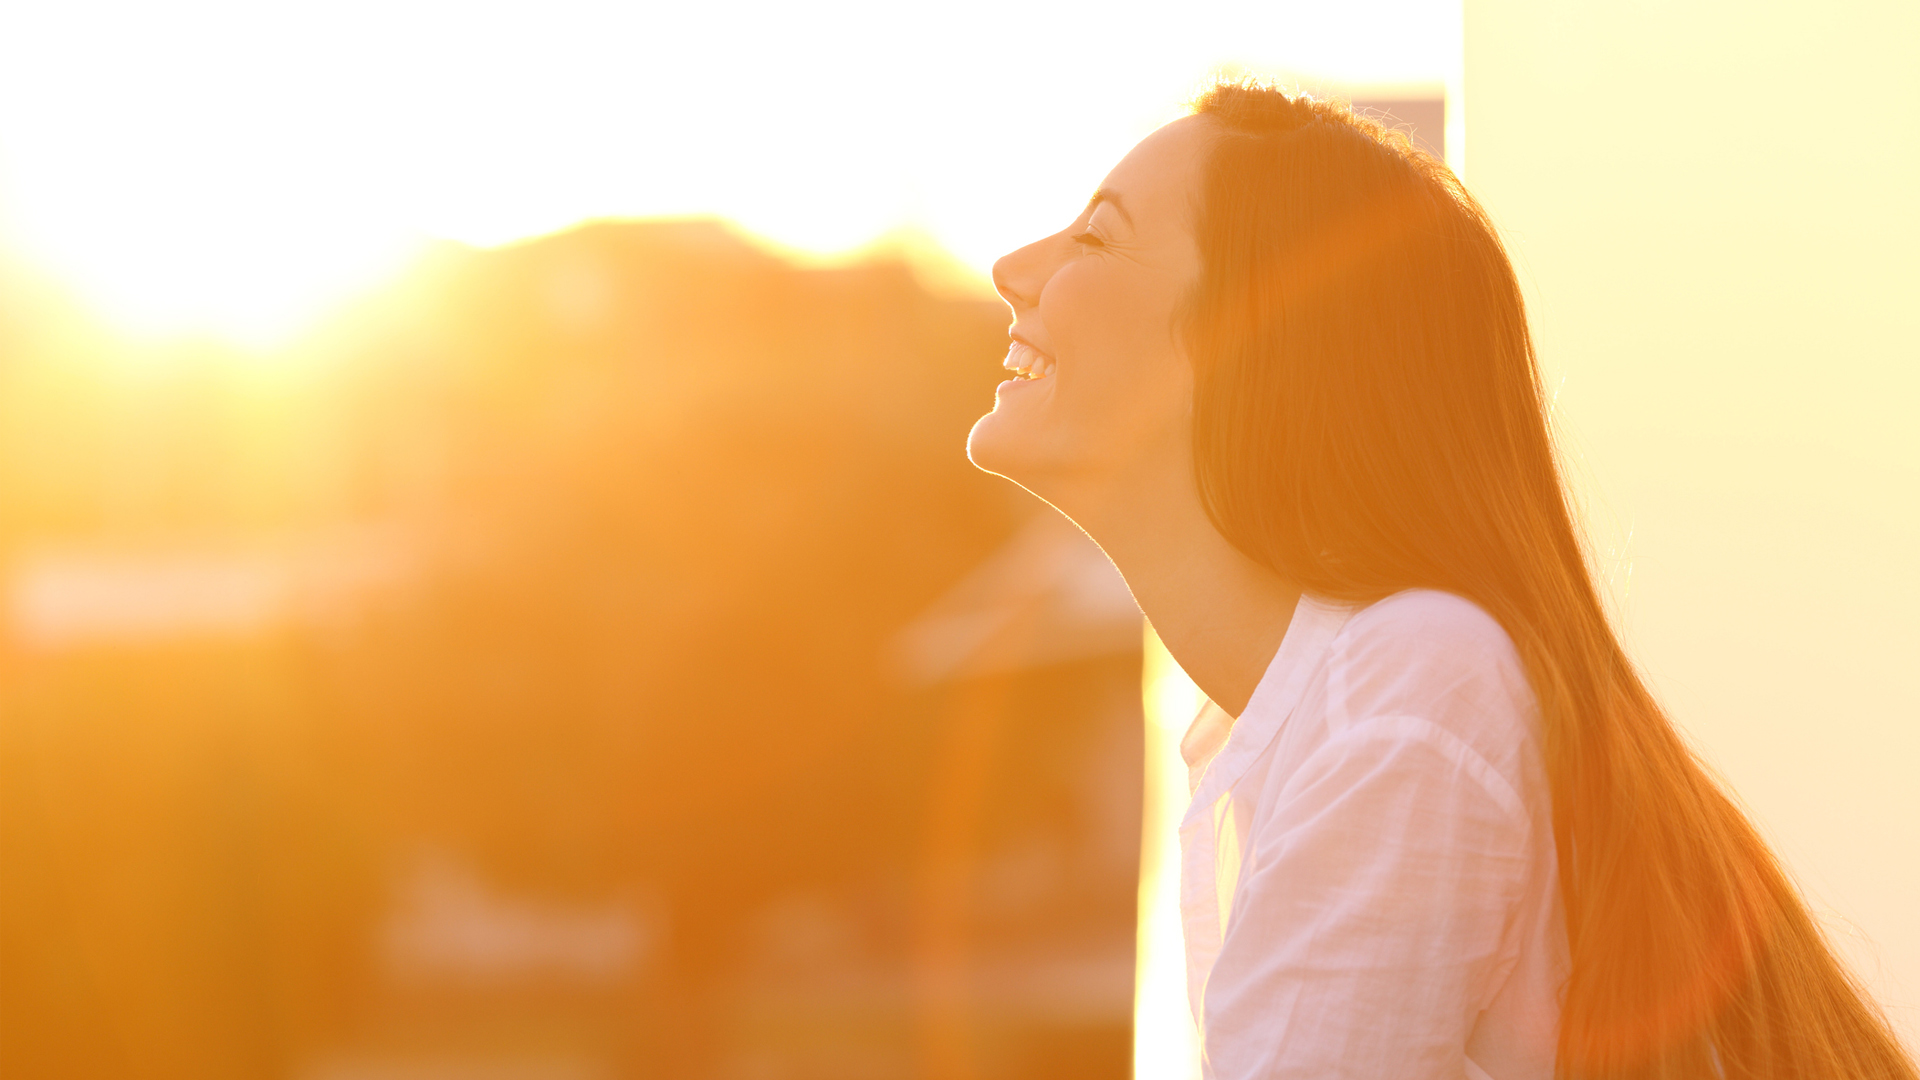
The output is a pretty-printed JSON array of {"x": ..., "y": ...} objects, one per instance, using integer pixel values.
[
  {"x": 236, "y": 168},
  {"x": 591, "y": 540}
]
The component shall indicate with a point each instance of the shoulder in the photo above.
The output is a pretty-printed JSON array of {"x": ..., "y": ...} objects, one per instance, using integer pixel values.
[
  {"x": 1428, "y": 619},
  {"x": 1426, "y": 632},
  {"x": 1431, "y": 655}
]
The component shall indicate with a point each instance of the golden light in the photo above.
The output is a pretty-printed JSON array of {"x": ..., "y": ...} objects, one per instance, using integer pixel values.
[
  {"x": 241, "y": 170},
  {"x": 210, "y": 165},
  {"x": 1726, "y": 321},
  {"x": 1165, "y": 1043}
]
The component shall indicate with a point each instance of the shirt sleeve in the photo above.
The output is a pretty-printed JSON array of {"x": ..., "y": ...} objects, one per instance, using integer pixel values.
[{"x": 1367, "y": 930}]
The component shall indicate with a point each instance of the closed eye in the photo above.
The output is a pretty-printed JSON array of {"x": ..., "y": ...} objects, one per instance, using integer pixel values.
[{"x": 1089, "y": 239}]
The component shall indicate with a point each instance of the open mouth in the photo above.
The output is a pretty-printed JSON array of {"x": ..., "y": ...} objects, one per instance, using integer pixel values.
[{"x": 1026, "y": 362}]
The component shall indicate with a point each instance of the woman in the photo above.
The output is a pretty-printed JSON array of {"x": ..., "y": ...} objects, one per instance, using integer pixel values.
[{"x": 1278, "y": 368}]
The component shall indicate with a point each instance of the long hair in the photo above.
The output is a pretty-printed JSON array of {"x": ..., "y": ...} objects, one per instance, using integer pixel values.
[{"x": 1368, "y": 418}]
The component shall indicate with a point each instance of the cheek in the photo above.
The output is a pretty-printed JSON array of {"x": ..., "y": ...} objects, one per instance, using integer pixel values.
[
  {"x": 1112, "y": 325},
  {"x": 1093, "y": 300}
]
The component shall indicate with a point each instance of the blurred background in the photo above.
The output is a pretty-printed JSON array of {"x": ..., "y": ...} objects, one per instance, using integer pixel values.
[{"x": 493, "y": 589}]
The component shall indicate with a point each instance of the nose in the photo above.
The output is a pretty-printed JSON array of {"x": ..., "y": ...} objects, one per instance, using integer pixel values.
[{"x": 1020, "y": 275}]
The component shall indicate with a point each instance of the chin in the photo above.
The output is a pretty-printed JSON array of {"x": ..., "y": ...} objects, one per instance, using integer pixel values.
[
  {"x": 992, "y": 447},
  {"x": 1018, "y": 440},
  {"x": 1006, "y": 442}
]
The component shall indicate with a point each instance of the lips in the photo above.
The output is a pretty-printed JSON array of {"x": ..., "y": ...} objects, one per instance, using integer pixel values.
[{"x": 1027, "y": 362}]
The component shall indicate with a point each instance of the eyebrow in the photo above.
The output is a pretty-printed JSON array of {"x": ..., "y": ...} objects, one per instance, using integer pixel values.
[{"x": 1111, "y": 198}]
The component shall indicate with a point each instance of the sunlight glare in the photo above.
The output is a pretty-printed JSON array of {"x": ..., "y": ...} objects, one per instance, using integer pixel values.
[
  {"x": 1164, "y": 1040},
  {"x": 210, "y": 164}
]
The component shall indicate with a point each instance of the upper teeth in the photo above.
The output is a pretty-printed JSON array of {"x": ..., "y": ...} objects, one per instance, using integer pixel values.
[{"x": 1024, "y": 359}]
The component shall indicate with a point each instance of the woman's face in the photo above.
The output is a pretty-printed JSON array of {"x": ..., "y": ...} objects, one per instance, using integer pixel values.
[{"x": 1107, "y": 387}]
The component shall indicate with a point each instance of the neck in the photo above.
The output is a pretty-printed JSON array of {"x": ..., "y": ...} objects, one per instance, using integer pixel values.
[{"x": 1219, "y": 613}]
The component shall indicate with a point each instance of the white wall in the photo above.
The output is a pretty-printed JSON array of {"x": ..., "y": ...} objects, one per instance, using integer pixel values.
[{"x": 1713, "y": 207}]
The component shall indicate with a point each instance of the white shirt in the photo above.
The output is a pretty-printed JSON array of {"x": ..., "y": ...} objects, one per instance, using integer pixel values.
[{"x": 1368, "y": 882}]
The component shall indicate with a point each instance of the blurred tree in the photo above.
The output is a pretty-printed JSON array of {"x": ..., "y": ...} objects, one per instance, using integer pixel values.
[{"x": 586, "y": 560}]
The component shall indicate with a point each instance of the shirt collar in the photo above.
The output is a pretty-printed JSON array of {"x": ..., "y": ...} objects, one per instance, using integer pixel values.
[{"x": 1302, "y": 650}]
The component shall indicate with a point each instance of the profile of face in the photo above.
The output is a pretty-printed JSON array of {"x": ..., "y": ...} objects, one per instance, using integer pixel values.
[{"x": 1103, "y": 388}]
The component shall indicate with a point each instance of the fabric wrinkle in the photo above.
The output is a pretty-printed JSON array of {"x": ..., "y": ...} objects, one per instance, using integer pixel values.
[{"x": 1367, "y": 872}]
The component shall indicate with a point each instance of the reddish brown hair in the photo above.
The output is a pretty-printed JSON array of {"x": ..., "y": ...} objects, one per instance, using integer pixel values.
[{"x": 1368, "y": 418}]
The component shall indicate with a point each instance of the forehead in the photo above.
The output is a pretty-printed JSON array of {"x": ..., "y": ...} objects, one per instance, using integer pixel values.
[{"x": 1160, "y": 175}]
